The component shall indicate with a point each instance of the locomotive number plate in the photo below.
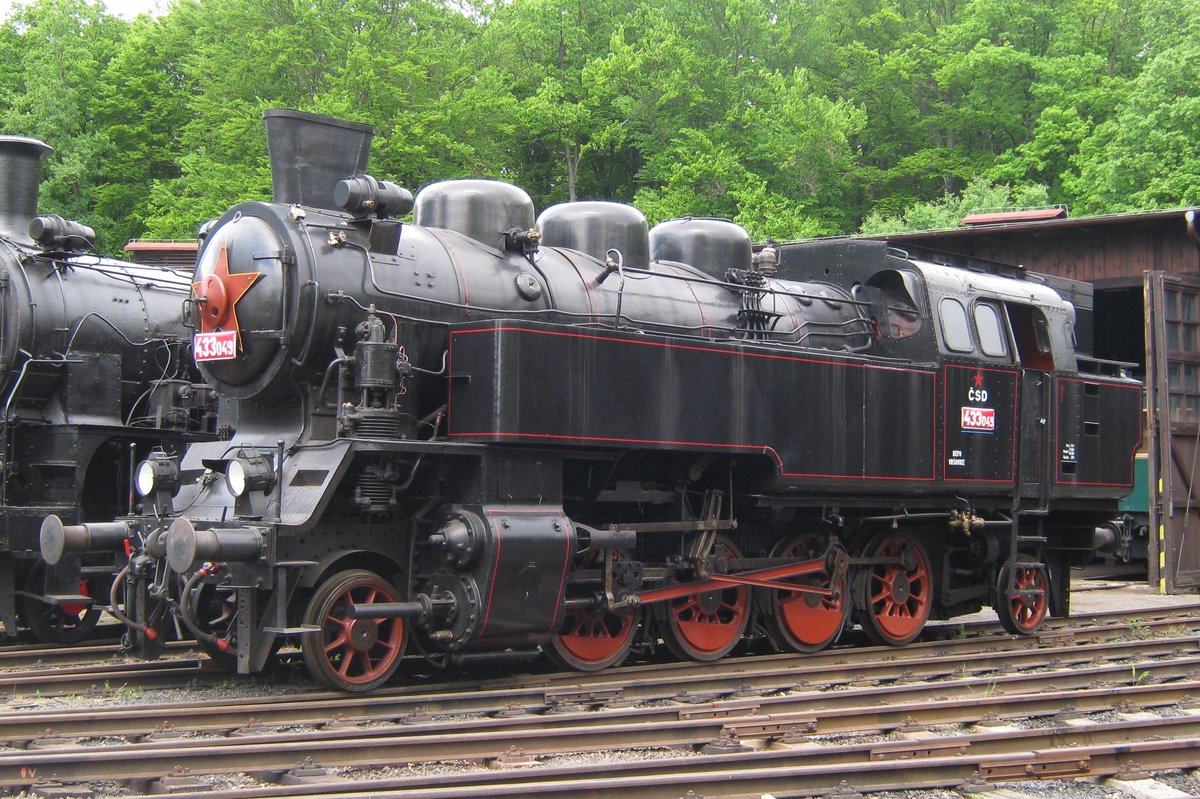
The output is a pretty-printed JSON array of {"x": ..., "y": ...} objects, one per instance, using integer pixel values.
[
  {"x": 215, "y": 346},
  {"x": 979, "y": 420}
]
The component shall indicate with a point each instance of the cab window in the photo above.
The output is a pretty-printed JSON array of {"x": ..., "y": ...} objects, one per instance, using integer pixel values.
[
  {"x": 990, "y": 330},
  {"x": 902, "y": 315},
  {"x": 956, "y": 330}
]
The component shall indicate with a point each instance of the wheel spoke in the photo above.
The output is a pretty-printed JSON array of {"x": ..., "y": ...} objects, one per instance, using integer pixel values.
[{"x": 342, "y": 639}]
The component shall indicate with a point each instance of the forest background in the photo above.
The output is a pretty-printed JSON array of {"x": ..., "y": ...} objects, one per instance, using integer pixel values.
[{"x": 795, "y": 118}]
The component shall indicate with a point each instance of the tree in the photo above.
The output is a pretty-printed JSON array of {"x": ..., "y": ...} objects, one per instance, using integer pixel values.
[
  {"x": 143, "y": 108},
  {"x": 58, "y": 51},
  {"x": 330, "y": 57},
  {"x": 1148, "y": 154}
]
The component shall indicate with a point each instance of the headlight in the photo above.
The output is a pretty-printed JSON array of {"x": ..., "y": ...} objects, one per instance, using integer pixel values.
[
  {"x": 146, "y": 478},
  {"x": 157, "y": 473},
  {"x": 249, "y": 473},
  {"x": 235, "y": 478}
]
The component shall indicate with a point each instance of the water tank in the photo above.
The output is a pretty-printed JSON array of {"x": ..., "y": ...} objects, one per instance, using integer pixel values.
[
  {"x": 714, "y": 246},
  {"x": 597, "y": 227},
  {"x": 478, "y": 209}
]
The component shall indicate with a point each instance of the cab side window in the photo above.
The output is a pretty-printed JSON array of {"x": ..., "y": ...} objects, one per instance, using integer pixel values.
[
  {"x": 991, "y": 332},
  {"x": 902, "y": 315},
  {"x": 956, "y": 329}
]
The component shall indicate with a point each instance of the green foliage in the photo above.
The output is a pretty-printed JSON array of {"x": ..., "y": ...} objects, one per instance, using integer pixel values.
[
  {"x": 56, "y": 52},
  {"x": 949, "y": 210},
  {"x": 792, "y": 118},
  {"x": 1148, "y": 154}
]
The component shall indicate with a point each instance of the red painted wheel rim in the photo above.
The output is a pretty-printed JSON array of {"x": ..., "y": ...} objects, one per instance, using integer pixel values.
[
  {"x": 1028, "y": 611},
  {"x": 898, "y": 597},
  {"x": 590, "y": 638},
  {"x": 813, "y": 621},
  {"x": 360, "y": 650}
]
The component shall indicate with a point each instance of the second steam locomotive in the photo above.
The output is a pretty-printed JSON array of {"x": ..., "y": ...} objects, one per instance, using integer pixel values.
[
  {"x": 484, "y": 431},
  {"x": 95, "y": 373}
]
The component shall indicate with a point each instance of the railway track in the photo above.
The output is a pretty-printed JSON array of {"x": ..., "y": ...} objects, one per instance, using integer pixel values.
[
  {"x": 99, "y": 669},
  {"x": 757, "y": 721},
  {"x": 775, "y": 681}
]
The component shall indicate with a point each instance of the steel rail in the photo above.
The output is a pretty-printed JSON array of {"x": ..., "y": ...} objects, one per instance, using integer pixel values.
[
  {"x": 773, "y": 676},
  {"x": 30, "y": 657},
  {"x": 673, "y": 779},
  {"x": 372, "y": 746},
  {"x": 1053, "y": 751},
  {"x": 970, "y": 638}
]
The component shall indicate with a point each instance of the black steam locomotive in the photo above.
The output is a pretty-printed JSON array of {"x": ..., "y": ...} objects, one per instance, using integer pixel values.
[
  {"x": 94, "y": 374},
  {"x": 484, "y": 432}
]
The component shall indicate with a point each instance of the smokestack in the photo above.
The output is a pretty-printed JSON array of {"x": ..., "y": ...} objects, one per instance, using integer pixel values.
[
  {"x": 20, "y": 176},
  {"x": 310, "y": 153}
]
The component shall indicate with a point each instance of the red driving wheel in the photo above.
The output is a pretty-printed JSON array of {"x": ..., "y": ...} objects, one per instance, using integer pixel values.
[
  {"x": 805, "y": 622},
  {"x": 1023, "y": 610},
  {"x": 708, "y": 625},
  {"x": 593, "y": 639},
  {"x": 894, "y": 599}
]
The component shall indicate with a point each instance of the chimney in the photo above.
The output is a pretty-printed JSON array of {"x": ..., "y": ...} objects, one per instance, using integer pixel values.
[
  {"x": 310, "y": 153},
  {"x": 20, "y": 175}
]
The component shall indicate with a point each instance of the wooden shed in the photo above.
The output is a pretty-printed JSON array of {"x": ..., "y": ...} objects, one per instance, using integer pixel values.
[{"x": 174, "y": 254}]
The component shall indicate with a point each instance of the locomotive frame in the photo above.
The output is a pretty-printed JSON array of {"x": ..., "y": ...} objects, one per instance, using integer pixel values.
[{"x": 473, "y": 434}]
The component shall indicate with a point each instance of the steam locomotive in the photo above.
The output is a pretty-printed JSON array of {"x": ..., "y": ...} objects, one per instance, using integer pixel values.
[
  {"x": 95, "y": 373},
  {"x": 483, "y": 431}
]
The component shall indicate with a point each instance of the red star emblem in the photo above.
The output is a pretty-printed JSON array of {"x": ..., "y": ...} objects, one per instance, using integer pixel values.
[
  {"x": 978, "y": 380},
  {"x": 217, "y": 296}
]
